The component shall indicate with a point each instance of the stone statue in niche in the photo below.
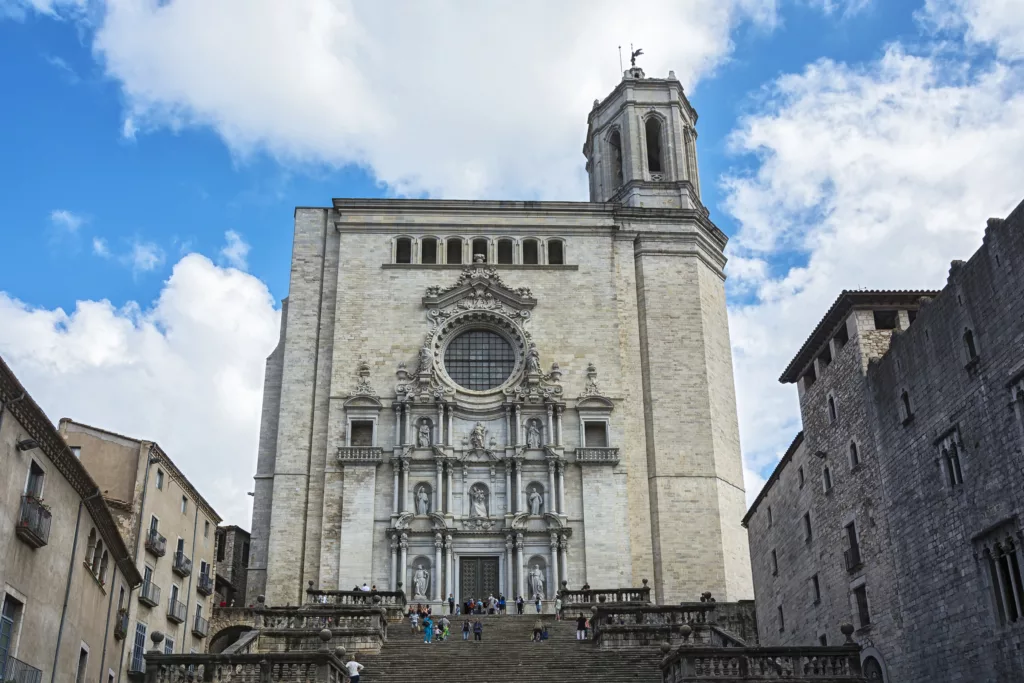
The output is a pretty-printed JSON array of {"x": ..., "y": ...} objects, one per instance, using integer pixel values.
[
  {"x": 420, "y": 581},
  {"x": 478, "y": 502},
  {"x": 536, "y": 581},
  {"x": 535, "y": 500},
  {"x": 422, "y": 501},
  {"x": 426, "y": 359},
  {"x": 478, "y": 436},
  {"x": 532, "y": 435},
  {"x": 532, "y": 361},
  {"x": 423, "y": 435}
]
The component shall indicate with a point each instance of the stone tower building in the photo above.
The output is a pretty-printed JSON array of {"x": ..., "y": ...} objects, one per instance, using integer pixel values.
[{"x": 480, "y": 396}]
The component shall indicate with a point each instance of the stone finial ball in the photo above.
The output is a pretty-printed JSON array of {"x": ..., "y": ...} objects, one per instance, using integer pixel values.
[
  {"x": 593, "y": 609},
  {"x": 261, "y": 599},
  {"x": 644, "y": 581},
  {"x": 157, "y": 637},
  {"x": 375, "y": 599},
  {"x": 339, "y": 652},
  {"x": 325, "y": 634},
  {"x": 310, "y": 584},
  {"x": 686, "y": 630},
  {"x": 846, "y": 630},
  {"x": 665, "y": 648}
]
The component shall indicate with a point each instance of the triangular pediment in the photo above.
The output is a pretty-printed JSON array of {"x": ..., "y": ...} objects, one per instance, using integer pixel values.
[{"x": 479, "y": 287}]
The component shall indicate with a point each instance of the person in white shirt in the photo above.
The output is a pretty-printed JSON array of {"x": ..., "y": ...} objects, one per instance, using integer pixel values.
[
  {"x": 366, "y": 587},
  {"x": 354, "y": 668}
]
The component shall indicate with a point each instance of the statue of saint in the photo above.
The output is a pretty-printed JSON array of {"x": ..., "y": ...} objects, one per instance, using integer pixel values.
[
  {"x": 423, "y": 436},
  {"x": 536, "y": 581},
  {"x": 420, "y": 580},
  {"x": 532, "y": 435},
  {"x": 532, "y": 361},
  {"x": 535, "y": 500},
  {"x": 479, "y": 503},
  {"x": 426, "y": 359},
  {"x": 422, "y": 501},
  {"x": 478, "y": 435}
]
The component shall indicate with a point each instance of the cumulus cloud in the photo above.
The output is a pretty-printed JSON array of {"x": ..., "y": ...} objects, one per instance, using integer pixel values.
[
  {"x": 67, "y": 220},
  {"x": 186, "y": 372},
  {"x": 998, "y": 24},
  {"x": 443, "y": 98},
  {"x": 865, "y": 176},
  {"x": 144, "y": 257},
  {"x": 236, "y": 250}
]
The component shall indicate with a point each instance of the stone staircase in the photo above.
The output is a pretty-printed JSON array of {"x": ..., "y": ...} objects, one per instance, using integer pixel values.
[{"x": 506, "y": 654}]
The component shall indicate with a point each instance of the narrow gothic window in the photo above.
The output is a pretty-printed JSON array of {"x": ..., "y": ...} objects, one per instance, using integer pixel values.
[
  {"x": 852, "y": 554},
  {"x": 826, "y": 479},
  {"x": 428, "y": 250},
  {"x": 952, "y": 457},
  {"x": 615, "y": 143},
  {"x": 831, "y": 409},
  {"x": 860, "y": 594},
  {"x": 531, "y": 254},
  {"x": 775, "y": 563},
  {"x": 652, "y": 128},
  {"x": 479, "y": 249},
  {"x": 504, "y": 251},
  {"x": 555, "y": 252},
  {"x": 854, "y": 455},
  {"x": 1006, "y": 580},
  {"x": 782, "y": 620},
  {"x": 403, "y": 250},
  {"x": 816, "y": 589},
  {"x": 905, "y": 406},
  {"x": 800, "y": 474},
  {"x": 454, "y": 250},
  {"x": 808, "y": 533},
  {"x": 972, "y": 352}
]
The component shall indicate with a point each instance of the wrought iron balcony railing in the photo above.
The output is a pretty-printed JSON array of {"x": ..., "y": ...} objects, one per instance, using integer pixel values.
[
  {"x": 200, "y": 627},
  {"x": 205, "y": 584},
  {"x": 150, "y": 594},
  {"x": 155, "y": 543},
  {"x": 33, "y": 522},
  {"x": 17, "y": 671},
  {"x": 182, "y": 564},
  {"x": 121, "y": 624},
  {"x": 176, "y": 611}
]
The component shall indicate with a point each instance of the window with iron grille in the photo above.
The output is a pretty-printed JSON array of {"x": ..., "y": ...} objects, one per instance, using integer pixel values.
[
  {"x": 138, "y": 662},
  {"x": 479, "y": 360}
]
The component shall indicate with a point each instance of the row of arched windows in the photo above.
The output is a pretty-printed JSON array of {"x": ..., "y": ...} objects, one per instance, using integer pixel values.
[
  {"x": 96, "y": 557},
  {"x": 459, "y": 250}
]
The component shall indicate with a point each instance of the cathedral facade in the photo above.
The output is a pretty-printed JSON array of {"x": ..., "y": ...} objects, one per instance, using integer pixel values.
[{"x": 474, "y": 397}]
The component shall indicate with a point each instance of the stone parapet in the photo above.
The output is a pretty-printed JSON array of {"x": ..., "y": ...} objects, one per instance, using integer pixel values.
[{"x": 693, "y": 663}]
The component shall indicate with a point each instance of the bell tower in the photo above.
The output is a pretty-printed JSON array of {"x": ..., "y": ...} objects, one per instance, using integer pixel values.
[{"x": 641, "y": 144}]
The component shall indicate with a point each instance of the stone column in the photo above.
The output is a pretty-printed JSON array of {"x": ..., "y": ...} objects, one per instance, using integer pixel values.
[
  {"x": 508, "y": 484},
  {"x": 403, "y": 561},
  {"x": 519, "y": 425},
  {"x": 558, "y": 425},
  {"x": 552, "y": 503},
  {"x": 404, "y": 464},
  {"x": 510, "y": 586},
  {"x": 439, "y": 429},
  {"x": 437, "y": 567},
  {"x": 450, "y": 434},
  {"x": 449, "y": 578},
  {"x": 395, "y": 466},
  {"x": 561, "y": 488},
  {"x": 508, "y": 426},
  {"x": 519, "y": 564},
  {"x": 553, "y": 566},
  {"x": 519, "y": 485},
  {"x": 439, "y": 484},
  {"x": 563, "y": 564},
  {"x": 408, "y": 426},
  {"x": 398, "y": 424},
  {"x": 465, "y": 489},
  {"x": 551, "y": 424},
  {"x": 394, "y": 563},
  {"x": 448, "y": 506}
]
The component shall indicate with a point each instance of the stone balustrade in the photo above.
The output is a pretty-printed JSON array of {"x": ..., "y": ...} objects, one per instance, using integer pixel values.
[
  {"x": 360, "y": 455},
  {"x": 693, "y": 663},
  {"x": 585, "y": 598},
  {"x": 625, "y": 626},
  {"x": 297, "y": 628},
  {"x": 393, "y": 601},
  {"x": 597, "y": 456}
]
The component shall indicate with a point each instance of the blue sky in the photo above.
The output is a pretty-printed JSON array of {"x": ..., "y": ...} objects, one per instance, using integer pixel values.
[{"x": 153, "y": 155}]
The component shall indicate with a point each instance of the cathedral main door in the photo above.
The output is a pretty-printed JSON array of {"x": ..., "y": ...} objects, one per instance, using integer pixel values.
[{"x": 478, "y": 577}]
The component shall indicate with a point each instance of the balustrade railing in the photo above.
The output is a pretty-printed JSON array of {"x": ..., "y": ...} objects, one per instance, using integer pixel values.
[
  {"x": 34, "y": 522},
  {"x": 176, "y": 611},
  {"x": 693, "y": 663},
  {"x": 573, "y": 599},
  {"x": 599, "y": 456},
  {"x": 200, "y": 627},
  {"x": 17, "y": 671},
  {"x": 155, "y": 543},
  {"x": 365, "y": 455},
  {"x": 121, "y": 624},
  {"x": 255, "y": 667},
  {"x": 205, "y": 584}
]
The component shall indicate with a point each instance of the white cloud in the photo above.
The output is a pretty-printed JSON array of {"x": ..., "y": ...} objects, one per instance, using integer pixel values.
[
  {"x": 876, "y": 176},
  {"x": 996, "y": 23},
  {"x": 100, "y": 248},
  {"x": 844, "y": 7},
  {"x": 62, "y": 218},
  {"x": 144, "y": 257},
  {"x": 187, "y": 372},
  {"x": 446, "y": 98},
  {"x": 235, "y": 250}
]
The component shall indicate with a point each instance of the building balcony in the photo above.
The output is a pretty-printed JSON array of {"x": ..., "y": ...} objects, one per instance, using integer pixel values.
[
  {"x": 597, "y": 456},
  {"x": 149, "y": 594},
  {"x": 360, "y": 455},
  {"x": 200, "y": 627},
  {"x": 17, "y": 671},
  {"x": 182, "y": 564},
  {"x": 853, "y": 560},
  {"x": 121, "y": 624},
  {"x": 205, "y": 584},
  {"x": 34, "y": 522},
  {"x": 155, "y": 543},
  {"x": 176, "y": 611}
]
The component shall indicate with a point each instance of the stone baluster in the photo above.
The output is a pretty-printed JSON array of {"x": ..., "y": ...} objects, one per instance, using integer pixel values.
[
  {"x": 449, "y": 562},
  {"x": 561, "y": 487},
  {"x": 553, "y": 566},
  {"x": 439, "y": 484},
  {"x": 403, "y": 560},
  {"x": 394, "y": 563},
  {"x": 510, "y": 591},
  {"x": 519, "y": 565},
  {"x": 437, "y": 567},
  {"x": 551, "y": 424},
  {"x": 558, "y": 425},
  {"x": 550, "y": 505}
]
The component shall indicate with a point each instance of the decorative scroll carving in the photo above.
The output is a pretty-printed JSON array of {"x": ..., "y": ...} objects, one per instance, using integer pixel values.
[
  {"x": 363, "y": 387},
  {"x": 590, "y": 389}
]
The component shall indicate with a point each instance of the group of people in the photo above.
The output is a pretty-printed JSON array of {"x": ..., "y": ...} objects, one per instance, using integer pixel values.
[
  {"x": 497, "y": 605},
  {"x": 438, "y": 630}
]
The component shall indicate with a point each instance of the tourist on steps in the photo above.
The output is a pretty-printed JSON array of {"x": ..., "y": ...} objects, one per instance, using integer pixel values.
[
  {"x": 428, "y": 629},
  {"x": 478, "y": 630},
  {"x": 520, "y": 603},
  {"x": 558, "y": 608},
  {"x": 537, "y": 602},
  {"x": 501, "y": 603},
  {"x": 451, "y": 604},
  {"x": 354, "y": 668},
  {"x": 414, "y": 620},
  {"x": 465, "y": 630},
  {"x": 538, "y": 628},
  {"x": 581, "y": 627}
]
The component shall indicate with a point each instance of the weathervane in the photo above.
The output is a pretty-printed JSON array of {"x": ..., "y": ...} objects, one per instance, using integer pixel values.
[{"x": 634, "y": 54}]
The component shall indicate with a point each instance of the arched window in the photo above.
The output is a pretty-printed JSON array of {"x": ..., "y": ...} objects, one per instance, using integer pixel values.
[
  {"x": 854, "y": 455},
  {"x": 652, "y": 129},
  {"x": 972, "y": 351},
  {"x": 556, "y": 252},
  {"x": 97, "y": 553},
  {"x": 531, "y": 254},
  {"x": 504, "y": 251},
  {"x": 831, "y": 409},
  {"x": 103, "y": 567},
  {"x": 428, "y": 250},
  {"x": 905, "y": 406},
  {"x": 403, "y": 250},
  {"x": 826, "y": 479},
  {"x": 615, "y": 149},
  {"x": 454, "y": 250},
  {"x": 952, "y": 457},
  {"x": 480, "y": 249},
  {"x": 90, "y": 547}
]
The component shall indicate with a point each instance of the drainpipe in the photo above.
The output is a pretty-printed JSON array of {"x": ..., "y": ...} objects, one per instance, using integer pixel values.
[
  {"x": 188, "y": 597},
  {"x": 138, "y": 537},
  {"x": 106, "y": 631},
  {"x": 67, "y": 588}
]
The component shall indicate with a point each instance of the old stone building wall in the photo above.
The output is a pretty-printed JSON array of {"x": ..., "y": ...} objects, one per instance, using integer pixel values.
[
  {"x": 940, "y": 377},
  {"x": 232, "y": 560}
]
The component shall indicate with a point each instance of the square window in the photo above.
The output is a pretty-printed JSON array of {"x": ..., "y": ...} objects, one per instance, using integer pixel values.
[
  {"x": 206, "y": 529},
  {"x": 184, "y": 504},
  {"x": 860, "y": 595},
  {"x": 595, "y": 434},
  {"x": 160, "y": 479},
  {"x": 362, "y": 433}
]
